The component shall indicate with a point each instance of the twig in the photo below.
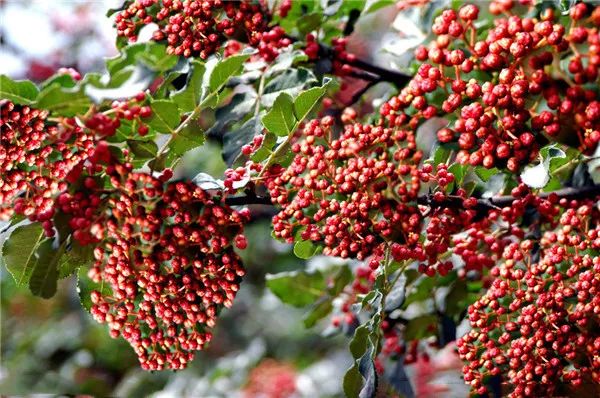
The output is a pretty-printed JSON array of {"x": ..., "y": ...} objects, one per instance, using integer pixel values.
[
  {"x": 498, "y": 202},
  {"x": 248, "y": 200},
  {"x": 451, "y": 201}
]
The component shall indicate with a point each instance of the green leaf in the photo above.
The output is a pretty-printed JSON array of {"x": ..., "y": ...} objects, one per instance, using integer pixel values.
[
  {"x": 63, "y": 101},
  {"x": 44, "y": 276},
  {"x": 143, "y": 149},
  {"x": 240, "y": 106},
  {"x": 455, "y": 299},
  {"x": 234, "y": 140},
  {"x": 420, "y": 290},
  {"x": 485, "y": 174},
  {"x": 305, "y": 249},
  {"x": 359, "y": 343},
  {"x": 297, "y": 288},
  {"x": 280, "y": 120},
  {"x": 553, "y": 158},
  {"x": 292, "y": 82},
  {"x": 395, "y": 297},
  {"x": 123, "y": 83},
  {"x": 62, "y": 79},
  {"x": 441, "y": 154},
  {"x": 459, "y": 171},
  {"x": 78, "y": 256},
  {"x": 225, "y": 69},
  {"x": 165, "y": 116},
  {"x": 127, "y": 57},
  {"x": 85, "y": 287},
  {"x": 341, "y": 279},
  {"x": 22, "y": 92},
  {"x": 353, "y": 382},
  {"x": 319, "y": 311},
  {"x": 189, "y": 96},
  {"x": 155, "y": 57},
  {"x": 285, "y": 61},
  {"x": 418, "y": 327},
  {"x": 371, "y": 298},
  {"x": 358, "y": 380},
  {"x": 374, "y": 5},
  {"x": 309, "y": 22},
  {"x": 266, "y": 148},
  {"x": 306, "y": 101},
  {"x": 188, "y": 138},
  {"x": 19, "y": 251}
]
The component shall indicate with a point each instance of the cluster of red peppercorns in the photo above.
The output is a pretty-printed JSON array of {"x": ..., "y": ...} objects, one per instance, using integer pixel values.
[
  {"x": 502, "y": 122},
  {"x": 270, "y": 42},
  {"x": 194, "y": 27},
  {"x": 342, "y": 59},
  {"x": 131, "y": 110},
  {"x": 167, "y": 256},
  {"x": 348, "y": 194},
  {"x": 36, "y": 157},
  {"x": 82, "y": 210},
  {"x": 352, "y": 194},
  {"x": 537, "y": 326}
]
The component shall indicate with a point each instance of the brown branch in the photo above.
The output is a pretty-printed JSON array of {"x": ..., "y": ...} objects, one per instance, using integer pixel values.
[
  {"x": 398, "y": 78},
  {"x": 248, "y": 200},
  {"x": 372, "y": 72},
  {"x": 498, "y": 202},
  {"x": 451, "y": 201}
]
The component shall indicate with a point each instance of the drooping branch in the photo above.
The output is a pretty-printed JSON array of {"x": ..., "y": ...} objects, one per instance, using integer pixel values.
[
  {"x": 450, "y": 201},
  {"x": 248, "y": 200},
  {"x": 398, "y": 78},
  {"x": 498, "y": 202},
  {"x": 370, "y": 72}
]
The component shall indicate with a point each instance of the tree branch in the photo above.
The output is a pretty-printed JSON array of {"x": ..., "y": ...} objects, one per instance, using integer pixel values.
[
  {"x": 498, "y": 202},
  {"x": 248, "y": 200},
  {"x": 381, "y": 74},
  {"x": 451, "y": 201},
  {"x": 398, "y": 78}
]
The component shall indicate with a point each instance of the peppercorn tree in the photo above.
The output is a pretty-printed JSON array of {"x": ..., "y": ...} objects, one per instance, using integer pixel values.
[{"x": 489, "y": 223}]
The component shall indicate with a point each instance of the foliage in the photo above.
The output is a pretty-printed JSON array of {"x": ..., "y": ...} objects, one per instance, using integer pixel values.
[{"x": 491, "y": 220}]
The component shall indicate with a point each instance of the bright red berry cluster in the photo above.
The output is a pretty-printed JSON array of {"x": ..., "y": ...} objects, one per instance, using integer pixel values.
[
  {"x": 194, "y": 27},
  {"x": 495, "y": 86},
  {"x": 348, "y": 194},
  {"x": 167, "y": 256},
  {"x": 106, "y": 123},
  {"x": 537, "y": 326},
  {"x": 352, "y": 194},
  {"x": 36, "y": 156}
]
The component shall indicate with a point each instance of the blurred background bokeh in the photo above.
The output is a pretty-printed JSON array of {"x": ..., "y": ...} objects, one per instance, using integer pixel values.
[{"x": 261, "y": 347}]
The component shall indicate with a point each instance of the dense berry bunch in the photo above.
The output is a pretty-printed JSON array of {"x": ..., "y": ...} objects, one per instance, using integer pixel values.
[
  {"x": 537, "y": 326},
  {"x": 496, "y": 87},
  {"x": 105, "y": 124},
  {"x": 167, "y": 256},
  {"x": 352, "y": 194},
  {"x": 349, "y": 193},
  {"x": 194, "y": 27},
  {"x": 36, "y": 157}
]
